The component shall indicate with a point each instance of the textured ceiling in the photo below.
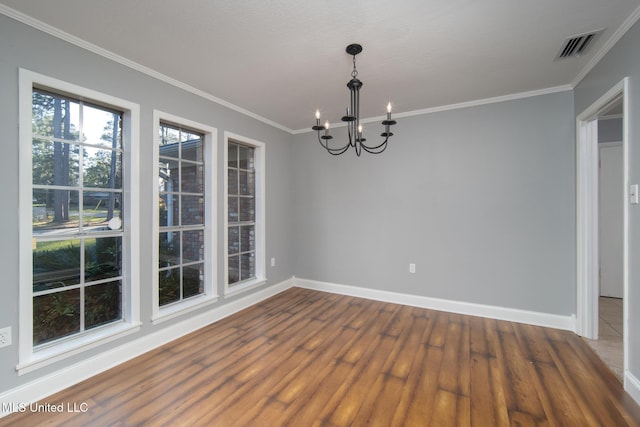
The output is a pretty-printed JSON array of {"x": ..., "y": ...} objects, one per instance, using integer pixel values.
[{"x": 282, "y": 59}]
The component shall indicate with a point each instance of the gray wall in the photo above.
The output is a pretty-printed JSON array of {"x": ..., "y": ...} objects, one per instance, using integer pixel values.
[
  {"x": 481, "y": 199},
  {"x": 621, "y": 61},
  {"x": 23, "y": 46},
  {"x": 610, "y": 130}
]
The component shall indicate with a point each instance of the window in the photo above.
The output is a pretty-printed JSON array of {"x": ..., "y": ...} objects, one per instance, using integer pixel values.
[
  {"x": 77, "y": 216},
  {"x": 76, "y": 222},
  {"x": 245, "y": 217},
  {"x": 181, "y": 242},
  {"x": 185, "y": 215}
]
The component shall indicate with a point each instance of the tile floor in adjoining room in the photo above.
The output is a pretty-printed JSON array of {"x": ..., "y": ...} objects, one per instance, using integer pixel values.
[{"x": 609, "y": 345}]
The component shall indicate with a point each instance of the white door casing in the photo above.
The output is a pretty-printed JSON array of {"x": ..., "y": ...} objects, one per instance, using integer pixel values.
[
  {"x": 587, "y": 259},
  {"x": 587, "y": 247}
]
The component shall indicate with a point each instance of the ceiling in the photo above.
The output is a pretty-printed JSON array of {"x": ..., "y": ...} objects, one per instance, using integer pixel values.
[{"x": 283, "y": 59}]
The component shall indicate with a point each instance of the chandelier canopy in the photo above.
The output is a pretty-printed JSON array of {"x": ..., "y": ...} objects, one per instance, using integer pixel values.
[{"x": 352, "y": 118}]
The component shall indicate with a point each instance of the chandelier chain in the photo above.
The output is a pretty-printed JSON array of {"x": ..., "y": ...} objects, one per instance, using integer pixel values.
[{"x": 354, "y": 73}]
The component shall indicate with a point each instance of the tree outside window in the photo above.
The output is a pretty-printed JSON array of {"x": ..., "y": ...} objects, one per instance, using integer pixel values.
[{"x": 76, "y": 216}]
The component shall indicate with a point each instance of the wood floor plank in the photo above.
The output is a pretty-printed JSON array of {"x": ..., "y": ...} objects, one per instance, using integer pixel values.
[
  {"x": 562, "y": 404},
  {"x": 379, "y": 407},
  {"x": 421, "y": 407},
  {"x": 308, "y": 358},
  {"x": 536, "y": 355},
  {"x": 481, "y": 403},
  {"x": 450, "y": 368},
  {"x": 463, "y": 412},
  {"x": 500, "y": 385},
  {"x": 522, "y": 396},
  {"x": 444, "y": 408},
  {"x": 423, "y": 326},
  {"x": 498, "y": 393}
]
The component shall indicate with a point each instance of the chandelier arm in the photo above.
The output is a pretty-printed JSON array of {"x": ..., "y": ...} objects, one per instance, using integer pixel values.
[
  {"x": 323, "y": 144},
  {"x": 371, "y": 151},
  {"x": 334, "y": 151},
  {"x": 376, "y": 149},
  {"x": 366, "y": 147},
  {"x": 337, "y": 152},
  {"x": 326, "y": 147}
]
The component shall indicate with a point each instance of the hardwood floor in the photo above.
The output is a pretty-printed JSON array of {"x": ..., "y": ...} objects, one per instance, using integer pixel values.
[{"x": 307, "y": 358}]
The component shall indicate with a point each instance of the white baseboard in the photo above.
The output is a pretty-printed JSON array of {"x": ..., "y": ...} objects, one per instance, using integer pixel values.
[
  {"x": 632, "y": 386},
  {"x": 49, "y": 384},
  {"x": 493, "y": 312}
]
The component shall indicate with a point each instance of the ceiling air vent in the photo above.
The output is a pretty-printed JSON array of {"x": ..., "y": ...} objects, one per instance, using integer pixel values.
[{"x": 577, "y": 45}]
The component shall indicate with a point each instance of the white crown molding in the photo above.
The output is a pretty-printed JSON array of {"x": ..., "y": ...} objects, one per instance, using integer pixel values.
[
  {"x": 493, "y": 312},
  {"x": 485, "y": 101},
  {"x": 55, "y": 32},
  {"x": 66, "y": 377},
  {"x": 617, "y": 35},
  {"x": 457, "y": 106},
  {"x": 28, "y": 20}
]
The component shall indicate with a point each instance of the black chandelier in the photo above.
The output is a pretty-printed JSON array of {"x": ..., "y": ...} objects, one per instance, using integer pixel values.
[{"x": 352, "y": 118}]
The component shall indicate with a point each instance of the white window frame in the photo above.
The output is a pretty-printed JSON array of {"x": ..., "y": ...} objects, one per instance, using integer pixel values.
[
  {"x": 209, "y": 296},
  {"x": 259, "y": 165},
  {"x": 30, "y": 358}
]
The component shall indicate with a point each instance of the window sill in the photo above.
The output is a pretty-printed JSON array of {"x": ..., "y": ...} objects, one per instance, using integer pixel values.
[
  {"x": 75, "y": 345},
  {"x": 244, "y": 286},
  {"x": 178, "y": 309}
]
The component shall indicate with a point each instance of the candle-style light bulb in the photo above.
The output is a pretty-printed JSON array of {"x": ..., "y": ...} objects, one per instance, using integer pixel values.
[
  {"x": 389, "y": 111},
  {"x": 326, "y": 127},
  {"x": 360, "y": 129},
  {"x": 317, "y": 114}
]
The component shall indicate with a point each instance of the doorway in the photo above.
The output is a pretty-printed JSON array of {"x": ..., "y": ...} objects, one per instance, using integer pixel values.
[
  {"x": 609, "y": 345},
  {"x": 601, "y": 214}
]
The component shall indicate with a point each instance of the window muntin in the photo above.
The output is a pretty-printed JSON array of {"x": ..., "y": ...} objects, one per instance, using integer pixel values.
[
  {"x": 181, "y": 187},
  {"x": 241, "y": 213},
  {"x": 77, "y": 211}
]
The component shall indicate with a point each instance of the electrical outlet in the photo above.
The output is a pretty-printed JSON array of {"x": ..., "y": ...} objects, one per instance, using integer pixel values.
[
  {"x": 273, "y": 262},
  {"x": 412, "y": 268},
  {"x": 5, "y": 336}
]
